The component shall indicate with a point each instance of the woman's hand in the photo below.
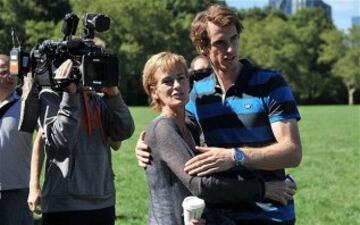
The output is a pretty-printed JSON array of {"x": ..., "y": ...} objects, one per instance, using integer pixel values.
[
  {"x": 280, "y": 191},
  {"x": 198, "y": 222}
]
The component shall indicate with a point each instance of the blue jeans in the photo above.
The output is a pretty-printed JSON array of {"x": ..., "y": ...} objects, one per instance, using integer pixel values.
[{"x": 14, "y": 209}]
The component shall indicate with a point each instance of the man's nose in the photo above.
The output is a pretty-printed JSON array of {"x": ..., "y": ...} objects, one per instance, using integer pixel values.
[{"x": 230, "y": 48}]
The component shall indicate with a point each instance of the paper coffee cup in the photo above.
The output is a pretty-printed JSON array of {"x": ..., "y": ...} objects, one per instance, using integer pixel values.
[{"x": 193, "y": 208}]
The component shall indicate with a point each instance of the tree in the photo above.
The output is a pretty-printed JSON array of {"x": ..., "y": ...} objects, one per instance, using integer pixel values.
[
  {"x": 347, "y": 67},
  {"x": 314, "y": 76},
  {"x": 259, "y": 14},
  {"x": 272, "y": 43},
  {"x": 292, "y": 45},
  {"x": 33, "y": 20},
  {"x": 342, "y": 52},
  {"x": 141, "y": 28}
]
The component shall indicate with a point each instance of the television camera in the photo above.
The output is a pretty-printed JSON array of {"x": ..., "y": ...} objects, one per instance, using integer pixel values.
[{"x": 95, "y": 68}]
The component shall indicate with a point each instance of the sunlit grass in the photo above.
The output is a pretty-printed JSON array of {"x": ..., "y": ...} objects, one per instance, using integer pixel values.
[{"x": 328, "y": 177}]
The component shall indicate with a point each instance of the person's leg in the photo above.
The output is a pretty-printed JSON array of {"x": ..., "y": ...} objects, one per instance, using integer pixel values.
[
  {"x": 68, "y": 218},
  {"x": 104, "y": 216},
  {"x": 261, "y": 222},
  {"x": 14, "y": 209},
  {"x": 56, "y": 218},
  {"x": 108, "y": 216}
]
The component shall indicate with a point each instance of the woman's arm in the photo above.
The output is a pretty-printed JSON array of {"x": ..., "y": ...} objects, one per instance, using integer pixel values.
[{"x": 175, "y": 152}]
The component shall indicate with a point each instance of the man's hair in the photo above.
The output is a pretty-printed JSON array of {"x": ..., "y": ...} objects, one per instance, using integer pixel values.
[
  {"x": 199, "y": 57},
  {"x": 5, "y": 58},
  {"x": 165, "y": 61},
  {"x": 219, "y": 15}
]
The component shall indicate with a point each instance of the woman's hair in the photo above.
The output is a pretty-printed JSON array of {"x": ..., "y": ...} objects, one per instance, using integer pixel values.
[
  {"x": 219, "y": 15},
  {"x": 165, "y": 61}
]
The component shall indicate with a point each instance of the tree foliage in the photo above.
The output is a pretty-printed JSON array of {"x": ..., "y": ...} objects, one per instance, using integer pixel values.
[
  {"x": 319, "y": 62},
  {"x": 347, "y": 67},
  {"x": 33, "y": 20},
  {"x": 141, "y": 28},
  {"x": 294, "y": 45}
]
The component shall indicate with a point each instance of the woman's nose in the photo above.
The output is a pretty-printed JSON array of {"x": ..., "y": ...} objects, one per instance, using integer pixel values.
[{"x": 177, "y": 83}]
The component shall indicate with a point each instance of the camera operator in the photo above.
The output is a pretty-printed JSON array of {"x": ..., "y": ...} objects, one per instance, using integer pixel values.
[
  {"x": 78, "y": 129},
  {"x": 15, "y": 152}
]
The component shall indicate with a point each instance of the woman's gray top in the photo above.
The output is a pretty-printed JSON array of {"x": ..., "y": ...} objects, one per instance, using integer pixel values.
[{"x": 169, "y": 184}]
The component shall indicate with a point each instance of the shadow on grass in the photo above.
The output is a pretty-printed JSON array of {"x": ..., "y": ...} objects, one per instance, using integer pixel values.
[{"x": 127, "y": 217}]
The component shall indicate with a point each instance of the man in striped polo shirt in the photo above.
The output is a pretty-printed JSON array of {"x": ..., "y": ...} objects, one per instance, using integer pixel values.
[{"x": 249, "y": 114}]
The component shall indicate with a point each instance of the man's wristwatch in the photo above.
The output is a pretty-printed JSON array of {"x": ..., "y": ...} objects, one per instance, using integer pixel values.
[{"x": 239, "y": 157}]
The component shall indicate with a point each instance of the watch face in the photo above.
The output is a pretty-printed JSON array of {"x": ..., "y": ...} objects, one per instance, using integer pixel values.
[{"x": 239, "y": 156}]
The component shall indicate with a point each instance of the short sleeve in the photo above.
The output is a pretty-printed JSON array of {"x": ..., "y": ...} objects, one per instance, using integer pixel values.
[{"x": 280, "y": 101}]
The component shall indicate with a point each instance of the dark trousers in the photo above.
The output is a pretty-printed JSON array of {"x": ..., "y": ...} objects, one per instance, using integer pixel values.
[
  {"x": 14, "y": 209},
  {"x": 104, "y": 216},
  {"x": 265, "y": 223}
]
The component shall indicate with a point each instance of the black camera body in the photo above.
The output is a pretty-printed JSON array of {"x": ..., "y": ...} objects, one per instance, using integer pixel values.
[
  {"x": 94, "y": 67},
  {"x": 99, "y": 70}
]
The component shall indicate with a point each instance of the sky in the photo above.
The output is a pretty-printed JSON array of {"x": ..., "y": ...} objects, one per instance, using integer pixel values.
[{"x": 342, "y": 10}]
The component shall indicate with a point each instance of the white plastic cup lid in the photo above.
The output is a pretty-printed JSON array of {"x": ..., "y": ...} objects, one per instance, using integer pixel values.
[{"x": 193, "y": 202}]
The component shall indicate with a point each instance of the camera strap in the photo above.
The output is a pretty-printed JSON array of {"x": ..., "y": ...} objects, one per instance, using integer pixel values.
[
  {"x": 89, "y": 114},
  {"x": 98, "y": 116},
  {"x": 5, "y": 108},
  {"x": 86, "y": 112}
]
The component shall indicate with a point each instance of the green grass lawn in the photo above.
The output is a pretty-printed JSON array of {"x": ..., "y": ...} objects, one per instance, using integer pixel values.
[
  {"x": 329, "y": 175},
  {"x": 328, "y": 178}
]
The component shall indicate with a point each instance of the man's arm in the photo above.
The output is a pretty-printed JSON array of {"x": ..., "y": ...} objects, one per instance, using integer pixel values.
[
  {"x": 285, "y": 153},
  {"x": 61, "y": 132},
  {"x": 173, "y": 150},
  {"x": 35, "y": 172},
  {"x": 142, "y": 151}
]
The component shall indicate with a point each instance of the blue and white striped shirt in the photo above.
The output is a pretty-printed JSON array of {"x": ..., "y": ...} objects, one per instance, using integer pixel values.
[{"x": 242, "y": 117}]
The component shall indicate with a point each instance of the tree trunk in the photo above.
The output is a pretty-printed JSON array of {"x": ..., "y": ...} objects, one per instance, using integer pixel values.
[{"x": 351, "y": 92}]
